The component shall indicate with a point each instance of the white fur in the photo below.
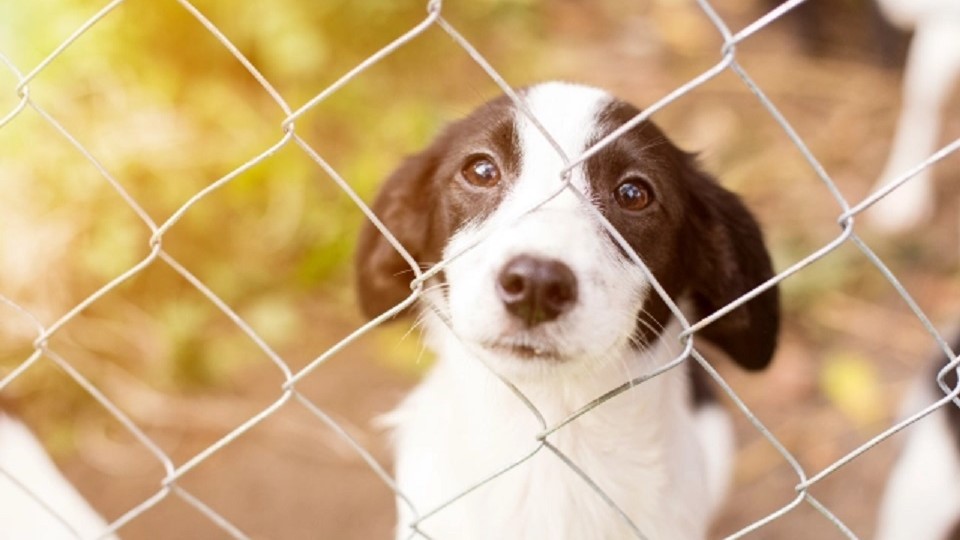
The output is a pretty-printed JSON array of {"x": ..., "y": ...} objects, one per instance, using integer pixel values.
[
  {"x": 922, "y": 496},
  {"x": 21, "y": 516},
  {"x": 646, "y": 449},
  {"x": 933, "y": 65}
]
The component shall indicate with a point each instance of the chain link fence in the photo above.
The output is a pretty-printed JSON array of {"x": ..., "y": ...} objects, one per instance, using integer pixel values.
[{"x": 43, "y": 351}]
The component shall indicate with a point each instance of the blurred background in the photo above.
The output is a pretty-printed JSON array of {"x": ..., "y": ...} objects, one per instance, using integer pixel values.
[{"x": 166, "y": 109}]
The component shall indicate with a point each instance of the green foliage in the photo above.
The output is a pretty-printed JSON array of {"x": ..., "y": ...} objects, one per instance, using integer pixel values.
[{"x": 167, "y": 110}]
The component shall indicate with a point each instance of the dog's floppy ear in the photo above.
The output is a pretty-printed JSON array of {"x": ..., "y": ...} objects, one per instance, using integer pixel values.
[
  {"x": 407, "y": 206},
  {"x": 730, "y": 260}
]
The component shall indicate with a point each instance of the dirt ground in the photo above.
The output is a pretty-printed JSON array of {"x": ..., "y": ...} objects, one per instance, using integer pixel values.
[{"x": 291, "y": 477}]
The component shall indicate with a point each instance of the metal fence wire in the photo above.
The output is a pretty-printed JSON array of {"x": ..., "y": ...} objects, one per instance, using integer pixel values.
[{"x": 42, "y": 351}]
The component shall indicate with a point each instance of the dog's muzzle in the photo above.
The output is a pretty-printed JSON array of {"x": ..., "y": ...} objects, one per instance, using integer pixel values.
[{"x": 536, "y": 290}]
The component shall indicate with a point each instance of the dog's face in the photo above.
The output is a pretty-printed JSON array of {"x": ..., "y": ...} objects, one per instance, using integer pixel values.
[{"x": 551, "y": 285}]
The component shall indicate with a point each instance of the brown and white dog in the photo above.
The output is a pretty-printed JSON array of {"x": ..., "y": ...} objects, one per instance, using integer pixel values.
[{"x": 548, "y": 300}]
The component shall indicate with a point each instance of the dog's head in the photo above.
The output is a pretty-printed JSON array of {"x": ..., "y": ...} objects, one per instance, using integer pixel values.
[{"x": 552, "y": 284}]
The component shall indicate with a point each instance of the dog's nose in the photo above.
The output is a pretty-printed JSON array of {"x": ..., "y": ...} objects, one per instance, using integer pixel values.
[{"x": 536, "y": 290}]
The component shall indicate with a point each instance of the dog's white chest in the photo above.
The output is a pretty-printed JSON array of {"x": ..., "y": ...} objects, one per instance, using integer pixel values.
[{"x": 449, "y": 442}]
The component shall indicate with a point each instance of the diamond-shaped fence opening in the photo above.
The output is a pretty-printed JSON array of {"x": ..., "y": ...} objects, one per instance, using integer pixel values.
[{"x": 153, "y": 280}]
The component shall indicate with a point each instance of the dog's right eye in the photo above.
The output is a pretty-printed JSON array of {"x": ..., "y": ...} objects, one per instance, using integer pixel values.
[
  {"x": 634, "y": 194},
  {"x": 481, "y": 170}
]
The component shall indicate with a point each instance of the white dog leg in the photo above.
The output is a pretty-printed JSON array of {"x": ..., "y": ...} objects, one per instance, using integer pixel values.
[{"x": 932, "y": 67}]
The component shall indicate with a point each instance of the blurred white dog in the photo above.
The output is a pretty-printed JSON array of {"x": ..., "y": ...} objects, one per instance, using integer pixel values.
[
  {"x": 922, "y": 497},
  {"x": 933, "y": 64},
  {"x": 25, "y": 469}
]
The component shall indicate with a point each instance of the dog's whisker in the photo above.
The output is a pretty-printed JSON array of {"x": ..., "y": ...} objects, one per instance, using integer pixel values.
[
  {"x": 422, "y": 352},
  {"x": 624, "y": 367},
  {"x": 436, "y": 287},
  {"x": 653, "y": 320},
  {"x": 424, "y": 266},
  {"x": 417, "y": 325},
  {"x": 654, "y": 330}
]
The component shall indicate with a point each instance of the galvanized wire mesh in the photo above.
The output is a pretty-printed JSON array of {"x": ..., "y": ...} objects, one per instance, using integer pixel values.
[{"x": 170, "y": 486}]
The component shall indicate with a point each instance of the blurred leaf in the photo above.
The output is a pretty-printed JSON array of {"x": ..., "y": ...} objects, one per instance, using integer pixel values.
[
  {"x": 823, "y": 276},
  {"x": 184, "y": 322},
  {"x": 181, "y": 318},
  {"x": 113, "y": 246},
  {"x": 274, "y": 318},
  {"x": 850, "y": 382},
  {"x": 224, "y": 355}
]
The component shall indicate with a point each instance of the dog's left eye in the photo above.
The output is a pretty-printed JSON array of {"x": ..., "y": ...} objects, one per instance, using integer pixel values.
[
  {"x": 480, "y": 170},
  {"x": 633, "y": 194}
]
